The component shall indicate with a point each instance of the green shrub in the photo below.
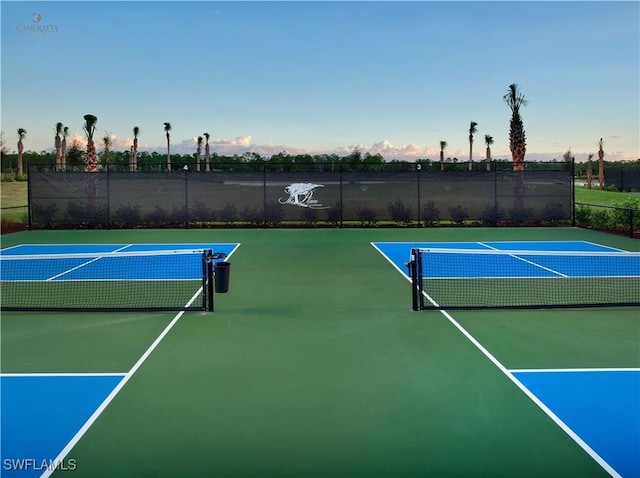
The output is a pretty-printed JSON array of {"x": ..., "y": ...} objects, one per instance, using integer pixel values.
[
  {"x": 458, "y": 214},
  {"x": 601, "y": 219},
  {"x": 399, "y": 213},
  {"x": 583, "y": 214},
  {"x": 490, "y": 215},
  {"x": 229, "y": 213},
  {"x": 366, "y": 216},
  {"x": 430, "y": 214}
]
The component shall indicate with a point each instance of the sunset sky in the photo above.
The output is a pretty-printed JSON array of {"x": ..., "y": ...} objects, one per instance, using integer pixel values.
[{"x": 394, "y": 78}]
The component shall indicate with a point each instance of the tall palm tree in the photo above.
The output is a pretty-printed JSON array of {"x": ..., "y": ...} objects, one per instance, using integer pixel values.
[
  {"x": 63, "y": 148},
  {"x": 517, "y": 140},
  {"x": 207, "y": 152},
  {"x": 133, "y": 164},
  {"x": 167, "y": 128},
  {"x": 21, "y": 135},
  {"x": 91, "y": 158},
  {"x": 106, "y": 142},
  {"x": 91, "y": 161},
  {"x": 488, "y": 140},
  {"x": 589, "y": 171},
  {"x": 198, "y": 152},
  {"x": 472, "y": 130},
  {"x": 58, "y": 144},
  {"x": 443, "y": 145},
  {"x": 600, "y": 145}
]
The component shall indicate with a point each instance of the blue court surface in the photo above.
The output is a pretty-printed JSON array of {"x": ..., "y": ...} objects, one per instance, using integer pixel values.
[
  {"x": 41, "y": 413},
  {"x": 599, "y": 407},
  {"x": 161, "y": 267}
]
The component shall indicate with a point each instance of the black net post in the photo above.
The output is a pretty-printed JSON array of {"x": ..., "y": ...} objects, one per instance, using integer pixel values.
[
  {"x": 210, "y": 281},
  {"x": 413, "y": 273},
  {"x": 204, "y": 280}
]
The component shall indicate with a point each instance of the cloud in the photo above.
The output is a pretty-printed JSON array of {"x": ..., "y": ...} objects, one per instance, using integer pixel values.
[{"x": 389, "y": 151}]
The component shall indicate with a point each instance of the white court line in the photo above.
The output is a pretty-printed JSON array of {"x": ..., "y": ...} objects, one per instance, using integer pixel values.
[
  {"x": 31, "y": 375},
  {"x": 526, "y": 261},
  {"x": 578, "y": 370},
  {"x": 590, "y": 451},
  {"x": 80, "y": 433},
  {"x": 85, "y": 264},
  {"x": 531, "y": 396}
]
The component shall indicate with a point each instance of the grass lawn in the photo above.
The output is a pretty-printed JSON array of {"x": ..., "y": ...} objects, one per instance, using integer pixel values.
[
  {"x": 14, "y": 195},
  {"x": 603, "y": 198}
]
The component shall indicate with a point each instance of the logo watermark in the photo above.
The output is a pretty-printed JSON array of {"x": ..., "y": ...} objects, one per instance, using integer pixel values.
[
  {"x": 301, "y": 195},
  {"x": 36, "y": 26},
  {"x": 40, "y": 465}
]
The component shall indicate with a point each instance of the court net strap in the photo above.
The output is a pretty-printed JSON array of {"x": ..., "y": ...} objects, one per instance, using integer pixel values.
[{"x": 486, "y": 278}]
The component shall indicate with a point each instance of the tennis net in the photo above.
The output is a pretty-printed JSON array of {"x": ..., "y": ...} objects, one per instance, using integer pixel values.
[
  {"x": 113, "y": 281},
  {"x": 491, "y": 279}
]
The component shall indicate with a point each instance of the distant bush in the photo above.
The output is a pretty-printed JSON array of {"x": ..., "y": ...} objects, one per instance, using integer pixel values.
[
  {"x": 430, "y": 214},
  {"x": 399, "y": 213},
  {"x": 366, "y": 216},
  {"x": 229, "y": 213},
  {"x": 127, "y": 214},
  {"x": 458, "y": 214},
  {"x": 309, "y": 216},
  {"x": 273, "y": 213},
  {"x": 490, "y": 215},
  {"x": 554, "y": 212},
  {"x": 334, "y": 214}
]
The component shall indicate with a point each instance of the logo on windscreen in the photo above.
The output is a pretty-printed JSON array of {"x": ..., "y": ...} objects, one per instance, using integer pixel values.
[{"x": 301, "y": 195}]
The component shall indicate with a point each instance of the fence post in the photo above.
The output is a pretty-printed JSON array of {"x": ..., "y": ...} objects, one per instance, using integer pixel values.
[
  {"x": 573, "y": 191},
  {"x": 29, "y": 197},
  {"x": 264, "y": 193},
  {"x": 418, "y": 170},
  {"x": 341, "y": 199}
]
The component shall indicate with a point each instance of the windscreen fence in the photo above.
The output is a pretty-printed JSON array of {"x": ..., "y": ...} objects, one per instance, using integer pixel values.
[{"x": 265, "y": 194}]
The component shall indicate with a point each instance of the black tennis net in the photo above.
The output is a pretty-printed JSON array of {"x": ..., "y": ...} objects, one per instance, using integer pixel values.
[
  {"x": 491, "y": 279},
  {"x": 113, "y": 281}
]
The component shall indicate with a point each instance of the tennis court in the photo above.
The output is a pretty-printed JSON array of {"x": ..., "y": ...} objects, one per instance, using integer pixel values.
[{"x": 314, "y": 364}]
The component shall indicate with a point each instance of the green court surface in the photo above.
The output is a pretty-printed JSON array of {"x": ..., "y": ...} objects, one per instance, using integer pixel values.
[{"x": 315, "y": 365}]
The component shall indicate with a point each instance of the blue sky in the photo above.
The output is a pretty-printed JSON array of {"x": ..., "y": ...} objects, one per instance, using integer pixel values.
[{"x": 324, "y": 77}]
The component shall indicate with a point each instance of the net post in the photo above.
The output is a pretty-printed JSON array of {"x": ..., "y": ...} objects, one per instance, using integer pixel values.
[
  {"x": 210, "y": 281},
  {"x": 204, "y": 280},
  {"x": 412, "y": 265}
]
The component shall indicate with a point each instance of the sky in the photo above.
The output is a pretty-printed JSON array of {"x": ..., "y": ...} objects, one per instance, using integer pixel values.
[{"x": 325, "y": 77}]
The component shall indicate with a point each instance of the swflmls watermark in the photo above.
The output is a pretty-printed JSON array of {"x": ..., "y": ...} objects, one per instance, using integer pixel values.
[
  {"x": 39, "y": 465},
  {"x": 36, "y": 26}
]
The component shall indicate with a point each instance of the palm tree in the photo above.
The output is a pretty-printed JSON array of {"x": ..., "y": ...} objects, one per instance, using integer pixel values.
[
  {"x": 106, "y": 141},
  {"x": 600, "y": 145},
  {"x": 488, "y": 140},
  {"x": 167, "y": 128},
  {"x": 21, "y": 134},
  {"x": 443, "y": 145},
  {"x": 133, "y": 164},
  {"x": 91, "y": 158},
  {"x": 63, "y": 148},
  {"x": 517, "y": 140},
  {"x": 589, "y": 171},
  {"x": 207, "y": 152},
  {"x": 472, "y": 129},
  {"x": 58, "y": 144},
  {"x": 198, "y": 152}
]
